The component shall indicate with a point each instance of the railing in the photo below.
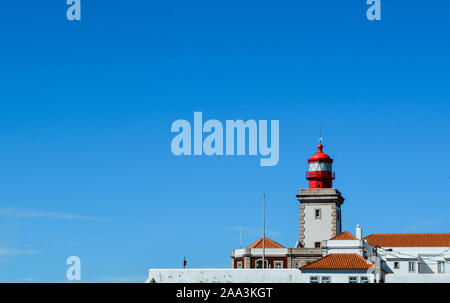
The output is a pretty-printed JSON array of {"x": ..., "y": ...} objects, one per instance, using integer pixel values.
[{"x": 320, "y": 174}]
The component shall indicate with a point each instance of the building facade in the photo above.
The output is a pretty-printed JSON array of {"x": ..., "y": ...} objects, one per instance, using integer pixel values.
[
  {"x": 326, "y": 254},
  {"x": 319, "y": 220}
]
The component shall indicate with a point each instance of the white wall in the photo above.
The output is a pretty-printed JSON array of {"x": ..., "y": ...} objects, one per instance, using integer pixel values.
[
  {"x": 246, "y": 276},
  {"x": 343, "y": 246},
  {"x": 417, "y": 278},
  {"x": 278, "y": 276},
  {"x": 225, "y": 276},
  {"x": 258, "y": 252},
  {"x": 317, "y": 230},
  {"x": 338, "y": 277},
  {"x": 429, "y": 256}
]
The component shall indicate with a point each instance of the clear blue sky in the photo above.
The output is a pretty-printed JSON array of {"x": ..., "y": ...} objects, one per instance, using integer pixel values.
[{"x": 86, "y": 108}]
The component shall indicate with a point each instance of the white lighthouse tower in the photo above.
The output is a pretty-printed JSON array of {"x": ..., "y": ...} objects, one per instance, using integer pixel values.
[{"x": 320, "y": 204}]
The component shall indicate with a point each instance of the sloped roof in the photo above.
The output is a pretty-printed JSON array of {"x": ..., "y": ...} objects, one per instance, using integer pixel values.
[
  {"x": 409, "y": 240},
  {"x": 339, "y": 261},
  {"x": 344, "y": 236},
  {"x": 320, "y": 156},
  {"x": 268, "y": 243}
]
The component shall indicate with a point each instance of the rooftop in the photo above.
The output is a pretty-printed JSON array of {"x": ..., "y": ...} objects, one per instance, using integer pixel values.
[
  {"x": 409, "y": 240},
  {"x": 339, "y": 261},
  {"x": 320, "y": 156},
  {"x": 268, "y": 243},
  {"x": 344, "y": 236}
]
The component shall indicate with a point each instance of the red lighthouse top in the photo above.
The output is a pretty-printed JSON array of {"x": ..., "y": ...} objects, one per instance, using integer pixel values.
[
  {"x": 320, "y": 174},
  {"x": 320, "y": 156}
]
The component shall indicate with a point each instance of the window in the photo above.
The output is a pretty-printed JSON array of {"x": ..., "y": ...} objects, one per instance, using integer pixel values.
[
  {"x": 318, "y": 213},
  {"x": 259, "y": 264},
  {"x": 278, "y": 264},
  {"x": 364, "y": 280},
  {"x": 314, "y": 280},
  {"x": 412, "y": 267},
  {"x": 317, "y": 244},
  {"x": 441, "y": 266},
  {"x": 396, "y": 265},
  {"x": 326, "y": 279},
  {"x": 239, "y": 264},
  {"x": 320, "y": 166},
  {"x": 352, "y": 280}
]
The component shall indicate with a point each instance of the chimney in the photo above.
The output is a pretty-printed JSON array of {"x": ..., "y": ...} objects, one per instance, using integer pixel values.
[{"x": 358, "y": 232}]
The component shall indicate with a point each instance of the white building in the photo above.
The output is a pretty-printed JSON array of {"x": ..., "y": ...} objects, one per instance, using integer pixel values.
[
  {"x": 325, "y": 254},
  {"x": 390, "y": 257},
  {"x": 412, "y": 253}
]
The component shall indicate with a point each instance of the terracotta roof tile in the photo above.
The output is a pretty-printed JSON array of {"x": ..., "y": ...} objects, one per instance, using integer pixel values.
[
  {"x": 344, "y": 236},
  {"x": 409, "y": 240},
  {"x": 339, "y": 261},
  {"x": 267, "y": 244}
]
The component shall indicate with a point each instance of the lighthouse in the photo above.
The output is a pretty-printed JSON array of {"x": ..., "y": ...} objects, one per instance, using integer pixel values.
[
  {"x": 320, "y": 203},
  {"x": 320, "y": 174}
]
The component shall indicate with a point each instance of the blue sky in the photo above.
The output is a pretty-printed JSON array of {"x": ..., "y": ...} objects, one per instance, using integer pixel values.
[{"x": 86, "y": 108}]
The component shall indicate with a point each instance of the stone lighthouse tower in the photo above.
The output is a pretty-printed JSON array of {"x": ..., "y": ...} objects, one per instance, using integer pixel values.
[{"x": 320, "y": 204}]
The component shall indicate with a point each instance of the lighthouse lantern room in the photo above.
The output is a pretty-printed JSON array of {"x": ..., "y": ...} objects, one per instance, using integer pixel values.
[{"x": 320, "y": 174}]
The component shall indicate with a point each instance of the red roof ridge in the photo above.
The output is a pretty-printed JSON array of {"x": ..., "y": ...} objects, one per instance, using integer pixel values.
[
  {"x": 409, "y": 239},
  {"x": 268, "y": 243},
  {"x": 340, "y": 261},
  {"x": 406, "y": 234},
  {"x": 344, "y": 236}
]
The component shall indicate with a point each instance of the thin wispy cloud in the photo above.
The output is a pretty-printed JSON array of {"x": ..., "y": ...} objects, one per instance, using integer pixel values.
[
  {"x": 424, "y": 224},
  {"x": 13, "y": 252},
  {"x": 239, "y": 228},
  {"x": 251, "y": 230},
  {"x": 39, "y": 214},
  {"x": 251, "y": 234}
]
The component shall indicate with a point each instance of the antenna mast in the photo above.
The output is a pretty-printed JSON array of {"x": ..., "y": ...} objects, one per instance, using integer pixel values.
[
  {"x": 320, "y": 135},
  {"x": 240, "y": 237},
  {"x": 264, "y": 231}
]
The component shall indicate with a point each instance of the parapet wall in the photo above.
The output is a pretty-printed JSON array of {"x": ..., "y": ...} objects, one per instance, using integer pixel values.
[
  {"x": 225, "y": 276},
  {"x": 417, "y": 278}
]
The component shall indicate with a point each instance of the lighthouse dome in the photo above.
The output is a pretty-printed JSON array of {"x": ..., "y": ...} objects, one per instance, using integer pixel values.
[{"x": 320, "y": 156}]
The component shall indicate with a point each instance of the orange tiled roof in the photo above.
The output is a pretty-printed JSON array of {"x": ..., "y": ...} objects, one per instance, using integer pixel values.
[
  {"x": 409, "y": 240},
  {"x": 344, "y": 236},
  {"x": 339, "y": 261},
  {"x": 267, "y": 244}
]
